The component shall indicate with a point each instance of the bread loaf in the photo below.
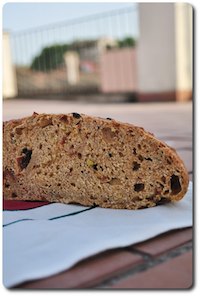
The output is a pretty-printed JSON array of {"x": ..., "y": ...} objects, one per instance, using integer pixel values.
[{"x": 73, "y": 158}]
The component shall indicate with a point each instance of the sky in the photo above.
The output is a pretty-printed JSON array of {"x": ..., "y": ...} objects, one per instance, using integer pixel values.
[
  {"x": 26, "y": 24},
  {"x": 21, "y": 16}
]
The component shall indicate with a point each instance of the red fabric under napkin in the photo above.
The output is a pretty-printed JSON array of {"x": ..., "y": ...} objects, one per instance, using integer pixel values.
[{"x": 22, "y": 205}]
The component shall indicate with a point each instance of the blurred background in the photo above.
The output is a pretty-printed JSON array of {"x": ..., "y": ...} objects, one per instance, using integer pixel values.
[
  {"x": 129, "y": 61},
  {"x": 98, "y": 52}
]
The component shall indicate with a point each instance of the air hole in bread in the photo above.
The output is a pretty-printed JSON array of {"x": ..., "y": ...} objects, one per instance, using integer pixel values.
[
  {"x": 101, "y": 168},
  {"x": 140, "y": 157},
  {"x": 169, "y": 160},
  {"x": 175, "y": 184},
  {"x": 14, "y": 194},
  {"x": 24, "y": 160},
  {"x": 134, "y": 151},
  {"x": 148, "y": 158},
  {"x": 79, "y": 155},
  {"x": 76, "y": 115},
  {"x": 136, "y": 166},
  {"x": 139, "y": 187}
]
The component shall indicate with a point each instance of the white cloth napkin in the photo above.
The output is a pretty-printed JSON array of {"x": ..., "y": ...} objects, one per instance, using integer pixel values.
[{"x": 44, "y": 241}]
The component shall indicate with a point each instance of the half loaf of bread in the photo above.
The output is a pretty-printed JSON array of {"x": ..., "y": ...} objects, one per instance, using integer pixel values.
[{"x": 74, "y": 158}]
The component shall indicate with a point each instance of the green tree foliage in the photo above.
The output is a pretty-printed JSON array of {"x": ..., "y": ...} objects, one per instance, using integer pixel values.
[
  {"x": 51, "y": 57},
  {"x": 127, "y": 42}
]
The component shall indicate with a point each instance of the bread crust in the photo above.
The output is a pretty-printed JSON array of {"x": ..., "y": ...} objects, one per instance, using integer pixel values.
[{"x": 75, "y": 158}]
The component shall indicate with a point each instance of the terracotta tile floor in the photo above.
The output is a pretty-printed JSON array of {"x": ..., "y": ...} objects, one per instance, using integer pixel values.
[
  {"x": 164, "y": 262},
  {"x": 175, "y": 273}
]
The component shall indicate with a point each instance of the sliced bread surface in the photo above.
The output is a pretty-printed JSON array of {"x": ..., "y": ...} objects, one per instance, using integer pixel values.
[{"x": 75, "y": 158}]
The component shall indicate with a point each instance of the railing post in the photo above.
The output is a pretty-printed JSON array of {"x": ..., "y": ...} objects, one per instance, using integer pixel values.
[
  {"x": 72, "y": 66},
  {"x": 9, "y": 74}
]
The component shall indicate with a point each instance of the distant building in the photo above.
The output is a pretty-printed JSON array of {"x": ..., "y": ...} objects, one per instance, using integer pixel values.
[
  {"x": 164, "y": 51},
  {"x": 160, "y": 67},
  {"x": 91, "y": 50}
]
